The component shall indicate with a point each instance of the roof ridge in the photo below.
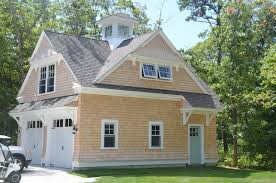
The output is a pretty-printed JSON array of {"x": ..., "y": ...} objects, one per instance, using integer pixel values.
[{"x": 75, "y": 35}]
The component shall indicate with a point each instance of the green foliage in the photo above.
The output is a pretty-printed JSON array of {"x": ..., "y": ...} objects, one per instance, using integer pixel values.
[
  {"x": 21, "y": 23},
  {"x": 244, "y": 79}
]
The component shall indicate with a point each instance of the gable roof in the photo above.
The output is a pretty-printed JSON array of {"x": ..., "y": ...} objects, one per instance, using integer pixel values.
[
  {"x": 90, "y": 59},
  {"x": 85, "y": 56},
  {"x": 122, "y": 51}
]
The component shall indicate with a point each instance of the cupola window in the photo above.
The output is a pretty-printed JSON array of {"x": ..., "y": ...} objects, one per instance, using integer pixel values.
[
  {"x": 123, "y": 31},
  {"x": 108, "y": 31}
]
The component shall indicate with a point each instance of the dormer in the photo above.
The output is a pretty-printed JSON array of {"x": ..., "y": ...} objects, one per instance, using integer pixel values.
[{"x": 117, "y": 28}]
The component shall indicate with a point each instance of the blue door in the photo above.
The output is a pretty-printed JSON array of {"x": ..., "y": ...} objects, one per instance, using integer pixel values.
[{"x": 195, "y": 145}]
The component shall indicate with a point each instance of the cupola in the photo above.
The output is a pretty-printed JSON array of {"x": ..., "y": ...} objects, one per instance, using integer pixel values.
[{"x": 117, "y": 28}]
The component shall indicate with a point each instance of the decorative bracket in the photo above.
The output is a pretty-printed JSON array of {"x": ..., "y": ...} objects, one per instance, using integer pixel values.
[
  {"x": 209, "y": 118},
  {"x": 134, "y": 61},
  {"x": 186, "y": 116}
]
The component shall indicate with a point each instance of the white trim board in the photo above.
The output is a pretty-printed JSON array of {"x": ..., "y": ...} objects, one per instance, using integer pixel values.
[
  {"x": 124, "y": 93},
  {"x": 118, "y": 163}
]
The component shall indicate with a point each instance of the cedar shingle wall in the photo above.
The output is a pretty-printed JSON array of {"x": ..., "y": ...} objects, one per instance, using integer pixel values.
[
  {"x": 134, "y": 115},
  {"x": 64, "y": 83},
  {"x": 157, "y": 48},
  {"x": 128, "y": 74}
]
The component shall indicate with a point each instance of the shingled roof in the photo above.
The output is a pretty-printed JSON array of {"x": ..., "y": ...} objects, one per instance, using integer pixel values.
[
  {"x": 85, "y": 56},
  {"x": 195, "y": 99},
  {"x": 89, "y": 59}
]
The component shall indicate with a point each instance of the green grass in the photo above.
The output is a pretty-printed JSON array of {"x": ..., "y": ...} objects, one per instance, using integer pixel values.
[{"x": 179, "y": 175}]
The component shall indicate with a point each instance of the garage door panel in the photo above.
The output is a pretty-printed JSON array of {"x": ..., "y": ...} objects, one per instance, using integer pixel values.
[
  {"x": 34, "y": 140},
  {"x": 62, "y": 143}
]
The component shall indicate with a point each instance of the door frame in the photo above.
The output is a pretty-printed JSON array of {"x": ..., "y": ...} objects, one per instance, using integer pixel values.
[{"x": 201, "y": 139}]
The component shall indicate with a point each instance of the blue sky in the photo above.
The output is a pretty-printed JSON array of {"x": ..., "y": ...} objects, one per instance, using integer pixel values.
[{"x": 181, "y": 33}]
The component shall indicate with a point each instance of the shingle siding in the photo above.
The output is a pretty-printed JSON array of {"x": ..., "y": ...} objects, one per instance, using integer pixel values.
[
  {"x": 133, "y": 117},
  {"x": 64, "y": 84}
]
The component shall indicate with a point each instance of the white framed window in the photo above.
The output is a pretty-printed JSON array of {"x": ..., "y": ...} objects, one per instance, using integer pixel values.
[
  {"x": 34, "y": 124},
  {"x": 47, "y": 79},
  {"x": 108, "y": 31},
  {"x": 165, "y": 72},
  {"x": 155, "y": 134},
  {"x": 60, "y": 123},
  {"x": 123, "y": 30},
  {"x": 109, "y": 134},
  {"x": 149, "y": 70}
]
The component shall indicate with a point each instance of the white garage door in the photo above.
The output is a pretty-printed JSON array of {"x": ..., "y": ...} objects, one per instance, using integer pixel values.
[
  {"x": 62, "y": 143},
  {"x": 34, "y": 140}
]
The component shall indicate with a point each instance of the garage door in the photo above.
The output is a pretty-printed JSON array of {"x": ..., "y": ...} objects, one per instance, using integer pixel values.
[
  {"x": 62, "y": 143},
  {"x": 34, "y": 140}
]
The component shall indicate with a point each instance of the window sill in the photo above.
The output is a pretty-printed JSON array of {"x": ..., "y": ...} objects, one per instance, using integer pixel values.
[
  {"x": 155, "y": 148},
  {"x": 156, "y": 79},
  {"x": 109, "y": 148},
  {"x": 47, "y": 93}
]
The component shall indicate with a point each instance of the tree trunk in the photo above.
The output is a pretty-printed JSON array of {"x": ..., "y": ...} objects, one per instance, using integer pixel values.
[
  {"x": 235, "y": 138},
  {"x": 224, "y": 140}
]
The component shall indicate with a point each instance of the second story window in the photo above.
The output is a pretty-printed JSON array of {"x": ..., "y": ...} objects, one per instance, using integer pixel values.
[
  {"x": 149, "y": 70},
  {"x": 47, "y": 79},
  {"x": 108, "y": 31},
  {"x": 123, "y": 31},
  {"x": 164, "y": 72},
  {"x": 155, "y": 71}
]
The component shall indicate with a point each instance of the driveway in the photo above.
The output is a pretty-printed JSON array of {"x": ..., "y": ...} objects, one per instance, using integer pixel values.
[{"x": 36, "y": 174}]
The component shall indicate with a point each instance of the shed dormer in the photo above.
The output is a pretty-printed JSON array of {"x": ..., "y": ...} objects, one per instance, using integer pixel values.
[{"x": 117, "y": 28}]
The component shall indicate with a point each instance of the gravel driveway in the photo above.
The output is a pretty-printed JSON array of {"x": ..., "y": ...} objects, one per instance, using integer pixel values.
[{"x": 50, "y": 175}]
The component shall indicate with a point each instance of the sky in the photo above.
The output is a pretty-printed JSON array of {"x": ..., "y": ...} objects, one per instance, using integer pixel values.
[{"x": 181, "y": 33}]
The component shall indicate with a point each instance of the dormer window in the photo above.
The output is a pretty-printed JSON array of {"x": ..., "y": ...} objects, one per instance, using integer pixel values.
[
  {"x": 149, "y": 70},
  {"x": 123, "y": 31},
  {"x": 108, "y": 31},
  {"x": 47, "y": 79},
  {"x": 155, "y": 71}
]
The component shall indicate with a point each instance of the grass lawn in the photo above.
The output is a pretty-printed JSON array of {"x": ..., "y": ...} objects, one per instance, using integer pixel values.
[{"x": 179, "y": 175}]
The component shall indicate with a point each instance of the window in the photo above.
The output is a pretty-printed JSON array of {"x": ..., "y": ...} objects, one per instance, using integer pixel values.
[
  {"x": 108, "y": 31},
  {"x": 156, "y": 135},
  {"x": 42, "y": 82},
  {"x": 109, "y": 134},
  {"x": 164, "y": 72},
  {"x": 59, "y": 123},
  {"x": 47, "y": 79},
  {"x": 194, "y": 132},
  {"x": 51, "y": 78},
  {"x": 123, "y": 31},
  {"x": 149, "y": 70},
  {"x": 34, "y": 124}
]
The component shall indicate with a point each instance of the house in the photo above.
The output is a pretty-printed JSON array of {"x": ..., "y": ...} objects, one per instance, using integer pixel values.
[{"x": 119, "y": 101}]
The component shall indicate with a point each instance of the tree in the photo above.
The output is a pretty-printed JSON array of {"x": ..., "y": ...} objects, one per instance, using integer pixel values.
[{"x": 248, "y": 31}]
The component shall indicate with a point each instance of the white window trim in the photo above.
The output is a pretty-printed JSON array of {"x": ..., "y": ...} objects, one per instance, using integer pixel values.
[
  {"x": 163, "y": 78},
  {"x": 161, "y": 133},
  {"x": 156, "y": 78},
  {"x": 106, "y": 36},
  {"x": 116, "y": 126},
  {"x": 156, "y": 73},
  {"x": 47, "y": 73},
  {"x": 119, "y": 33}
]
